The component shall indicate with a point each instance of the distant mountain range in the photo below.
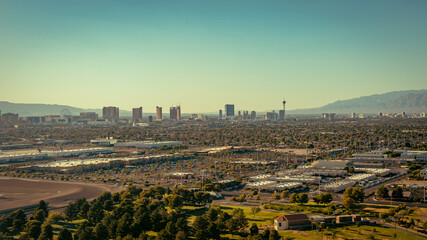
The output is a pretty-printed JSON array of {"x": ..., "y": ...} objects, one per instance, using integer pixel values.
[
  {"x": 400, "y": 101},
  {"x": 36, "y": 109},
  {"x": 410, "y": 101}
]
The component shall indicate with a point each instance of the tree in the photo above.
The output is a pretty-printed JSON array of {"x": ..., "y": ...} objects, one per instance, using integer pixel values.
[
  {"x": 254, "y": 229},
  {"x": 71, "y": 211},
  {"x": 255, "y": 210},
  {"x": 265, "y": 234},
  {"x": 397, "y": 192},
  {"x": 302, "y": 198},
  {"x": 356, "y": 193},
  {"x": 276, "y": 196},
  {"x": 284, "y": 194},
  {"x": 100, "y": 231},
  {"x": 317, "y": 198},
  {"x": 46, "y": 232},
  {"x": 33, "y": 228},
  {"x": 274, "y": 235},
  {"x": 42, "y": 206},
  {"x": 124, "y": 224},
  {"x": 39, "y": 215},
  {"x": 55, "y": 217},
  {"x": 293, "y": 198},
  {"x": 65, "y": 234},
  {"x": 173, "y": 200},
  {"x": 95, "y": 212},
  {"x": 382, "y": 192},
  {"x": 214, "y": 231},
  {"x": 348, "y": 203},
  {"x": 326, "y": 198},
  {"x": 83, "y": 232},
  {"x": 181, "y": 236}
]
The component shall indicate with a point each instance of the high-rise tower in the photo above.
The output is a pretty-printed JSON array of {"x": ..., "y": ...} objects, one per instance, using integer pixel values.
[
  {"x": 282, "y": 112},
  {"x": 137, "y": 114},
  {"x": 229, "y": 110},
  {"x": 159, "y": 115},
  {"x": 110, "y": 113}
]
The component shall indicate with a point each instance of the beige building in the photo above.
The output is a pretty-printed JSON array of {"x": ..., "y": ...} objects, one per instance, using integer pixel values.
[{"x": 292, "y": 221}]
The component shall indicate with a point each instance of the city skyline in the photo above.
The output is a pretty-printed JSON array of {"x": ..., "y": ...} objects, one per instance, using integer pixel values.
[{"x": 202, "y": 55}]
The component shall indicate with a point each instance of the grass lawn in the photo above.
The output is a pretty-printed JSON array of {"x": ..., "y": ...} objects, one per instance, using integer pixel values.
[
  {"x": 352, "y": 232},
  {"x": 262, "y": 218}
]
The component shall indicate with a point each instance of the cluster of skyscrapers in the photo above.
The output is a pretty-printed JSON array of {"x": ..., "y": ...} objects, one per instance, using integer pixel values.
[
  {"x": 112, "y": 114},
  {"x": 230, "y": 113}
]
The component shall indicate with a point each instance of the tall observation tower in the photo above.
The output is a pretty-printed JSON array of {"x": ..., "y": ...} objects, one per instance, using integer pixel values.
[{"x": 282, "y": 112}]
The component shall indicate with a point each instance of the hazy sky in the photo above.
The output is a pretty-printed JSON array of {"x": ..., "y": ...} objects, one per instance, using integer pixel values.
[{"x": 204, "y": 54}]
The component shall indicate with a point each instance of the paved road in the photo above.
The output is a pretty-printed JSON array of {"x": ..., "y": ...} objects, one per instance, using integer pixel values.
[{"x": 380, "y": 222}]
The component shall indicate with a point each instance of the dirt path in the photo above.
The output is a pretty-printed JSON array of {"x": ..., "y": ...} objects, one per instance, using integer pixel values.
[{"x": 19, "y": 192}]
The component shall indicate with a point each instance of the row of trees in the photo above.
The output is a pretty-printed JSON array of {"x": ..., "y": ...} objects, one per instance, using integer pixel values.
[
  {"x": 38, "y": 227},
  {"x": 383, "y": 192}
]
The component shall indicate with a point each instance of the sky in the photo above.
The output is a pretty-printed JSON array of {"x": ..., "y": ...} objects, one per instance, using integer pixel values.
[{"x": 204, "y": 54}]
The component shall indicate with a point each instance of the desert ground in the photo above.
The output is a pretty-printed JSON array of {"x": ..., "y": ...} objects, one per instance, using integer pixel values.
[{"x": 20, "y": 192}]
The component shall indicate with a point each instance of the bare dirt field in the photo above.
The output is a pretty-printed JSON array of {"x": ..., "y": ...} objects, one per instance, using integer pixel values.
[{"x": 19, "y": 192}]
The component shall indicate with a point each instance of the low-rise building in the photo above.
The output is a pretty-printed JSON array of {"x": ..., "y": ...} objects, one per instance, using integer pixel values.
[
  {"x": 293, "y": 221},
  {"x": 259, "y": 185},
  {"x": 338, "y": 186},
  {"x": 362, "y": 177},
  {"x": 147, "y": 144},
  {"x": 423, "y": 173},
  {"x": 285, "y": 186}
]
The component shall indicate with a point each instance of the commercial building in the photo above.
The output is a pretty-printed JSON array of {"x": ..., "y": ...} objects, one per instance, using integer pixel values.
[
  {"x": 380, "y": 172},
  {"x": 229, "y": 110},
  {"x": 338, "y": 186},
  {"x": 292, "y": 221},
  {"x": 416, "y": 155},
  {"x": 110, "y": 113},
  {"x": 89, "y": 116},
  {"x": 285, "y": 186},
  {"x": 362, "y": 177},
  {"x": 260, "y": 184},
  {"x": 179, "y": 175},
  {"x": 260, "y": 177},
  {"x": 35, "y": 120},
  {"x": 147, "y": 144},
  {"x": 332, "y": 164},
  {"x": 175, "y": 113},
  {"x": 326, "y": 172},
  {"x": 371, "y": 155},
  {"x": 298, "y": 178},
  {"x": 10, "y": 118},
  {"x": 137, "y": 114},
  {"x": 81, "y": 165},
  {"x": 271, "y": 116},
  {"x": 159, "y": 114},
  {"x": 103, "y": 142},
  {"x": 22, "y": 157},
  {"x": 78, "y": 152},
  {"x": 220, "y": 114},
  {"x": 330, "y": 116},
  {"x": 253, "y": 115}
]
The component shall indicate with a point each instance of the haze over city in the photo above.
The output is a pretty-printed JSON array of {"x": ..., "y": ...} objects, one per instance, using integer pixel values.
[{"x": 203, "y": 54}]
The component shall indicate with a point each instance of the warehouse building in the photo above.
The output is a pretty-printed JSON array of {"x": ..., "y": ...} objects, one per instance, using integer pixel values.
[
  {"x": 260, "y": 184},
  {"x": 332, "y": 164},
  {"x": 147, "y": 144},
  {"x": 362, "y": 177},
  {"x": 23, "y": 157},
  {"x": 78, "y": 152},
  {"x": 285, "y": 186},
  {"x": 338, "y": 186}
]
